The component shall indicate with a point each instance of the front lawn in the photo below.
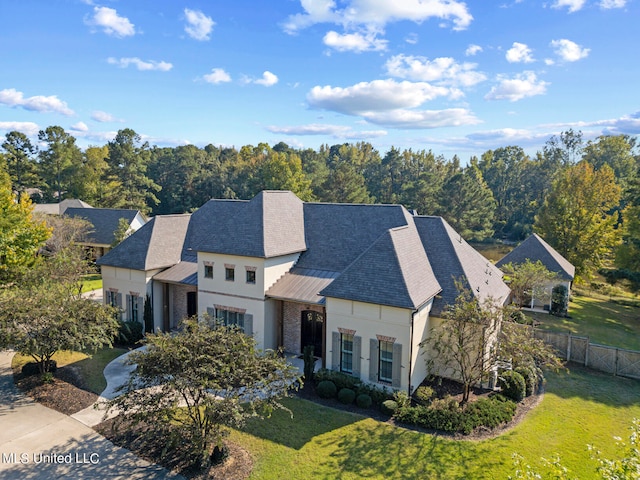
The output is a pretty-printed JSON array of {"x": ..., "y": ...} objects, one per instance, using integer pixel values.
[
  {"x": 606, "y": 322},
  {"x": 91, "y": 282},
  {"x": 91, "y": 367},
  {"x": 579, "y": 408}
]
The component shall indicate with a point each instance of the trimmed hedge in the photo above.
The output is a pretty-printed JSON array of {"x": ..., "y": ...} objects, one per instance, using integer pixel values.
[
  {"x": 346, "y": 396},
  {"x": 129, "y": 332},
  {"x": 513, "y": 385},
  {"x": 389, "y": 407},
  {"x": 339, "y": 379},
  {"x": 423, "y": 395},
  {"x": 364, "y": 400},
  {"x": 326, "y": 389},
  {"x": 485, "y": 412},
  {"x": 530, "y": 379}
]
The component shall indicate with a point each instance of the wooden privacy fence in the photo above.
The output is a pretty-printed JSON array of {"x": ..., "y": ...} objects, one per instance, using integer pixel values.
[{"x": 616, "y": 361}]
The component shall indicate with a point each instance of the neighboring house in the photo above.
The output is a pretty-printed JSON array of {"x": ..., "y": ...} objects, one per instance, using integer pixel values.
[
  {"x": 534, "y": 249},
  {"x": 105, "y": 222},
  {"x": 363, "y": 284},
  {"x": 59, "y": 208}
]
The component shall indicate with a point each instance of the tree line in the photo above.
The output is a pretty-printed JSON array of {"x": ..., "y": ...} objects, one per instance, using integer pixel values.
[{"x": 582, "y": 197}]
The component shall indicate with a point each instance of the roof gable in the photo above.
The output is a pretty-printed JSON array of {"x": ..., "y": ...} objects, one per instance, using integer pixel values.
[
  {"x": 534, "y": 248},
  {"x": 393, "y": 271},
  {"x": 157, "y": 244},
  {"x": 453, "y": 259}
]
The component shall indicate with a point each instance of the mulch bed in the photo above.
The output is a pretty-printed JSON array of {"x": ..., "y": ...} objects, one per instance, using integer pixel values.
[{"x": 66, "y": 393}]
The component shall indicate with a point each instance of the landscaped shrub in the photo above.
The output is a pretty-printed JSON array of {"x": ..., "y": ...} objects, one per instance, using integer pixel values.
[
  {"x": 423, "y": 395},
  {"x": 559, "y": 303},
  {"x": 446, "y": 415},
  {"x": 309, "y": 362},
  {"x": 129, "y": 333},
  {"x": 378, "y": 395},
  {"x": 326, "y": 389},
  {"x": 33, "y": 368},
  {"x": 364, "y": 400},
  {"x": 513, "y": 385},
  {"x": 346, "y": 396},
  {"x": 389, "y": 407},
  {"x": 530, "y": 379},
  {"x": 341, "y": 380}
]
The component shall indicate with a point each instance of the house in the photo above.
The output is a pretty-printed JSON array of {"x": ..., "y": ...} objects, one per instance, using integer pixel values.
[
  {"x": 105, "y": 222},
  {"x": 534, "y": 249},
  {"x": 363, "y": 284},
  {"x": 59, "y": 208}
]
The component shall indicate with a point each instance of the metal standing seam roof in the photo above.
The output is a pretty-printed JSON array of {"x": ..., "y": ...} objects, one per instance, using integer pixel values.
[
  {"x": 184, "y": 273},
  {"x": 302, "y": 285}
]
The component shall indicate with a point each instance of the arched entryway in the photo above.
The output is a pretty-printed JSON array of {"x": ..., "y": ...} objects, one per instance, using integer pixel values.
[{"x": 312, "y": 324}]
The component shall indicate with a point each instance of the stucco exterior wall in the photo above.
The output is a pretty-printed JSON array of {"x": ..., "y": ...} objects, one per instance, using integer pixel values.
[{"x": 127, "y": 282}]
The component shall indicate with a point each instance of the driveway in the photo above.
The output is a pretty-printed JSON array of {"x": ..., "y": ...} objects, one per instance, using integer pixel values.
[{"x": 39, "y": 443}]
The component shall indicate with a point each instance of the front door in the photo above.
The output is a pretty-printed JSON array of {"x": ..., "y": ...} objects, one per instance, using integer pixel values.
[
  {"x": 312, "y": 331},
  {"x": 192, "y": 304}
]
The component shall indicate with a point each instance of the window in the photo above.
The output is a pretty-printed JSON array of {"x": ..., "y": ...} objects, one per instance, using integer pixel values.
[
  {"x": 228, "y": 318},
  {"x": 208, "y": 271},
  {"x": 112, "y": 298},
  {"x": 134, "y": 314},
  {"x": 346, "y": 353},
  {"x": 385, "y": 362},
  {"x": 251, "y": 276},
  {"x": 229, "y": 274}
]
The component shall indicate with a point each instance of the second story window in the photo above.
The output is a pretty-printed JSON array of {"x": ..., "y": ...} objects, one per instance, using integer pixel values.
[
  {"x": 251, "y": 276},
  {"x": 208, "y": 271},
  {"x": 229, "y": 273}
]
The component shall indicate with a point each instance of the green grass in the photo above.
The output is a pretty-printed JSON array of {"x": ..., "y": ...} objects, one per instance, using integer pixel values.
[
  {"x": 606, "y": 322},
  {"x": 91, "y": 282},
  {"x": 579, "y": 408},
  {"x": 492, "y": 251},
  {"x": 91, "y": 366}
]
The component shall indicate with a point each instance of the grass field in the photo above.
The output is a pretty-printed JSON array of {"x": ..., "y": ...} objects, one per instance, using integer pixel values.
[
  {"x": 579, "y": 408},
  {"x": 91, "y": 366},
  {"x": 91, "y": 282}
]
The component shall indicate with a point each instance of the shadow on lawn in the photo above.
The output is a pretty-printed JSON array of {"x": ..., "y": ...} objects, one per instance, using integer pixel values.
[
  {"x": 595, "y": 386},
  {"x": 309, "y": 420},
  {"x": 389, "y": 452}
]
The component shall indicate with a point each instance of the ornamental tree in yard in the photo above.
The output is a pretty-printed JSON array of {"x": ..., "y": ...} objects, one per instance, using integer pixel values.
[
  {"x": 528, "y": 281},
  {"x": 190, "y": 387}
]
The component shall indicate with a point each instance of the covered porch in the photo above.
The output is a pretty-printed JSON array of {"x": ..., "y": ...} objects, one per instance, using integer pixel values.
[{"x": 177, "y": 288}]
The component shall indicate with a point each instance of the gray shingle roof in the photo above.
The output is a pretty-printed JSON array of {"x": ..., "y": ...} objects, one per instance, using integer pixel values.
[
  {"x": 534, "y": 248},
  {"x": 452, "y": 258},
  {"x": 393, "y": 271},
  {"x": 336, "y": 234},
  {"x": 157, "y": 244},
  {"x": 271, "y": 224},
  {"x": 104, "y": 221},
  {"x": 60, "y": 208}
]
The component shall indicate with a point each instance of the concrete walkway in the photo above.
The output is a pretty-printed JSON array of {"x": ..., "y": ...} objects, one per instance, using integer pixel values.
[{"x": 39, "y": 443}]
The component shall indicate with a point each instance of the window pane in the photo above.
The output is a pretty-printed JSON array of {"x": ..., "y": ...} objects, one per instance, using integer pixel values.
[
  {"x": 386, "y": 362},
  {"x": 208, "y": 271},
  {"x": 229, "y": 274},
  {"x": 251, "y": 276},
  {"x": 346, "y": 351}
]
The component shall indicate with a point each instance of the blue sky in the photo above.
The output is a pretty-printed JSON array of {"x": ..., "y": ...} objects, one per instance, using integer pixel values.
[{"x": 453, "y": 77}]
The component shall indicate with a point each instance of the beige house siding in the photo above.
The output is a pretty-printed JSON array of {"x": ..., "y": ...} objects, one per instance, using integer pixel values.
[{"x": 127, "y": 282}]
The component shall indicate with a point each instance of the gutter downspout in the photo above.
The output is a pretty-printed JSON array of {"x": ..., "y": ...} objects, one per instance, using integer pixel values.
[{"x": 413, "y": 314}]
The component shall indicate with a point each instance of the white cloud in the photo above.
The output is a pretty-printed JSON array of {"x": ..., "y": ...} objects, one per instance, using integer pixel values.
[
  {"x": 378, "y": 95},
  {"x": 199, "y": 26},
  {"x": 569, "y": 51},
  {"x": 519, "y": 53},
  {"x": 444, "y": 70},
  {"x": 141, "y": 64},
  {"x": 376, "y": 14},
  {"x": 521, "y": 86},
  {"x": 472, "y": 50},
  {"x": 39, "y": 103},
  {"x": 421, "y": 119},
  {"x": 574, "y": 5},
  {"x": 217, "y": 75},
  {"x": 411, "y": 39},
  {"x": 102, "y": 117},
  {"x": 355, "y": 42},
  {"x": 80, "y": 127},
  {"x": 335, "y": 131},
  {"x": 607, "y": 4},
  {"x": 110, "y": 22},
  {"x": 268, "y": 79},
  {"x": 28, "y": 128}
]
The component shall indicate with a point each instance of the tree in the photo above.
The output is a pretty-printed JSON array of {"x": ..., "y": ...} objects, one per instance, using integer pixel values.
[
  {"x": 521, "y": 348},
  {"x": 528, "y": 281},
  {"x": 65, "y": 231},
  {"x": 128, "y": 161},
  {"x": 576, "y": 216},
  {"x": 122, "y": 231},
  {"x": 21, "y": 165},
  {"x": 193, "y": 385},
  {"x": 345, "y": 185},
  {"x": 58, "y": 160},
  {"x": 464, "y": 343},
  {"x": 21, "y": 236},
  {"x": 90, "y": 181}
]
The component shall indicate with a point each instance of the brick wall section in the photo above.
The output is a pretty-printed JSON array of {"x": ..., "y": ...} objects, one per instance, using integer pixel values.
[
  {"x": 292, "y": 326},
  {"x": 179, "y": 302}
]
